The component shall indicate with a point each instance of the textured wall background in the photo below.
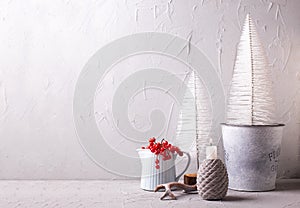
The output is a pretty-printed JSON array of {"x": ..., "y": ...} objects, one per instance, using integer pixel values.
[{"x": 45, "y": 44}]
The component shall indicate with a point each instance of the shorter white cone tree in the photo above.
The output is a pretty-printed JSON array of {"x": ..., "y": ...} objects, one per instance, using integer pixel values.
[{"x": 194, "y": 120}]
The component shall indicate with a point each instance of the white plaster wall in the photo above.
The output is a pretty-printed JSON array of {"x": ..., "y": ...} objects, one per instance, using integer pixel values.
[{"x": 45, "y": 44}]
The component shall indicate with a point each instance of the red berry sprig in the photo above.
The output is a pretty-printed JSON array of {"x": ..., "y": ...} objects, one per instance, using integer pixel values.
[{"x": 163, "y": 148}]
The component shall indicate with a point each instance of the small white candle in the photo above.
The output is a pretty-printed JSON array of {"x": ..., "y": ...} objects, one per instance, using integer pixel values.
[{"x": 211, "y": 152}]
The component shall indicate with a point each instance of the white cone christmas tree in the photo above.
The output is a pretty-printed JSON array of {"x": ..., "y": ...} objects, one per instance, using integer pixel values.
[
  {"x": 251, "y": 99},
  {"x": 195, "y": 118}
]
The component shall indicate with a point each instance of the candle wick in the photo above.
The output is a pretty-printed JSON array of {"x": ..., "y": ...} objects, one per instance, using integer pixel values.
[{"x": 210, "y": 142}]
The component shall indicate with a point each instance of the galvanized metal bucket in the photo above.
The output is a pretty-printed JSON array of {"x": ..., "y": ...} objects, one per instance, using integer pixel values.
[{"x": 252, "y": 155}]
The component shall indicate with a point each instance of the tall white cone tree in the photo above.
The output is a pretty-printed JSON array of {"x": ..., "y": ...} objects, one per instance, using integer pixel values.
[
  {"x": 251, "y": 99},
  {"x": 194, "y": 123}
]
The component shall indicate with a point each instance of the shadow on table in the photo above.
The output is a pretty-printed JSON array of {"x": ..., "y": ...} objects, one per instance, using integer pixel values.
[
  {"x": 237, "y": 198},
  {"x": 288, "y": 185},
  {"x": 228, "y": 198}
]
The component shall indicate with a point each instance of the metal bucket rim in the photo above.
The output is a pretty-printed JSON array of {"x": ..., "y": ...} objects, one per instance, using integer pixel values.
[{"x": 241, "y": 125}]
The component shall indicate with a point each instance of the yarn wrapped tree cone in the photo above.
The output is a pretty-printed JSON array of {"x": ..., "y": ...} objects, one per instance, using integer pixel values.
[{"x": 212, "y": 180}]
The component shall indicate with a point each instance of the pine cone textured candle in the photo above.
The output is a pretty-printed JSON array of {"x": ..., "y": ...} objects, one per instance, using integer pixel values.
[{"x": 212, "y": 180}]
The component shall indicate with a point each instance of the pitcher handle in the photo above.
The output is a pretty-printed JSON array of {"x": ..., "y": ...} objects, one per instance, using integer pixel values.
[{"x": 186, "y": 167}]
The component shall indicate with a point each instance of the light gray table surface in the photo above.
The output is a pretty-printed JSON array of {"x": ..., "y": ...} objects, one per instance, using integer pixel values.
[{"x": 126, "y": 193}]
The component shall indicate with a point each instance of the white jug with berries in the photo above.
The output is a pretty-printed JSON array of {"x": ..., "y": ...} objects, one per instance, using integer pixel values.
[{"x": 158, "y": 163}]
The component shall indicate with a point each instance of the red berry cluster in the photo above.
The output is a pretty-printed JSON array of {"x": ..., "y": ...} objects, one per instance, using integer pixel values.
[{"x": 163, "y": 148}]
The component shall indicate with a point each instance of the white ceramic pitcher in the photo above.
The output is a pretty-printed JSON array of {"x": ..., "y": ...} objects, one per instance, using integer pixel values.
[{"x": 151, "y": 177}]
